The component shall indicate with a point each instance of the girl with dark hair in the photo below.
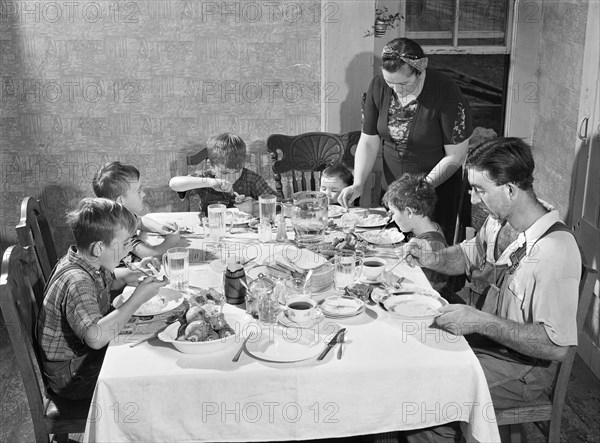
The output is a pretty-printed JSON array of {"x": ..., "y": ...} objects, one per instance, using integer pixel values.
[{"x": 424, "y": 123}]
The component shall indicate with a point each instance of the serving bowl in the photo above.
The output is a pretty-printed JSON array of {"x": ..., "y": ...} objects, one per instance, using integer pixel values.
[{"x": 237, "y": 319}]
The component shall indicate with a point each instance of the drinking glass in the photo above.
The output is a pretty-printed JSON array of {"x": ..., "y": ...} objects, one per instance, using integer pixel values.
[
  {"x": 296, "y": 288},
  {"x": 267, "y": 207},
  {"x": 309, "y": 217},
  {"x": 176, "y": 263},
  {"x": 346, "y": 269},
  {"x": 348, "y": 222},
  {"x": 217, "y": 223}
]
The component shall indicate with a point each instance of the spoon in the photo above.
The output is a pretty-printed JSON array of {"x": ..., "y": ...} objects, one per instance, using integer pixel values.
[
  {"x": 237, "y": 355},
  {"x": 307, "y": 279}
]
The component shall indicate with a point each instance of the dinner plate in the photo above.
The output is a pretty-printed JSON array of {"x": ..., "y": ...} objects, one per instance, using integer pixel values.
[
  {"x": 373, "y": 220},
  {"x": 240, "y": 218},
  {"x": 412, "y": 306},
  {"x": 387, "y": 237},
  {"x": 341, "y": 306},
  {"x": 302, "y": 259},
  {"x": 283, "y": 319},
  {"x": 335, "y": 211},
  {"x": 155, "y": 305},
  {"x": 285, "y": 345}
]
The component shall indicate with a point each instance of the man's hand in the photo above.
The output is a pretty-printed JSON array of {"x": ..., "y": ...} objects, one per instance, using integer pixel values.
[
  {"x": 417, "y": 252},
  {"x": 460, "y": 319},
  {"x": 349, "y": 194}
]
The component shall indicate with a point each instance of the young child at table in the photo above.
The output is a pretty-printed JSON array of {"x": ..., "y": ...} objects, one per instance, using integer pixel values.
[
  {"x": 227, "y": 155},
  {"x": 411, "y": 198},
  {"x": 334, "y": 178},
  {"x": 121, "y": 183},
  {"x": 75, "y": 322}
]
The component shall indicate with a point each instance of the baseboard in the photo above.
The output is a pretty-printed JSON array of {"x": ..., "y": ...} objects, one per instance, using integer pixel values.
[{"x": 589, "y": 353}]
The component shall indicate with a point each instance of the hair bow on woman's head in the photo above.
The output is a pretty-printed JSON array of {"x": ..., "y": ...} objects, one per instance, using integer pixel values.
[{"x": 420, "y": 64}]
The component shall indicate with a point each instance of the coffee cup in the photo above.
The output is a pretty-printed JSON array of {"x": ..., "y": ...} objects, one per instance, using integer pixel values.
[
  {"x": 301, "y": 310},
  {"x": 373, "y": 267}
]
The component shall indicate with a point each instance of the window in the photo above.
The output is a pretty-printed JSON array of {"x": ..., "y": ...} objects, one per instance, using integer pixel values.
[{"x": 456, "y": 26}]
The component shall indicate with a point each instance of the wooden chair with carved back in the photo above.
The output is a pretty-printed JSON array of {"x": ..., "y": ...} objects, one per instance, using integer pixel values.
[
  {"x": 33, "y": 232},
  {"x": 547, "y": 412},
  {"x": 50, "y": 415},
  {"x": 304, "y": 156}
]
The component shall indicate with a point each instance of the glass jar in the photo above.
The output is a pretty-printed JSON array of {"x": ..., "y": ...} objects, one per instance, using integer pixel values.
[{"x": 262, "y": 300}]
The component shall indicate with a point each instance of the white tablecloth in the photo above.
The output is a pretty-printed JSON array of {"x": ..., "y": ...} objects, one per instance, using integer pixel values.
[{"x": 393, "y": 376}]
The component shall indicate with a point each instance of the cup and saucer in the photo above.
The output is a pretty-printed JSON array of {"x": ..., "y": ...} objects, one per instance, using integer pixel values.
[
  {"x": 372, "y": 271},
  {"x": 300, "y": 312}
]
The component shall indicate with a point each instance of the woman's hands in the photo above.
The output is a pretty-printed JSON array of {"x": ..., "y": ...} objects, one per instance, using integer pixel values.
[{"x": 349, "y": 194}]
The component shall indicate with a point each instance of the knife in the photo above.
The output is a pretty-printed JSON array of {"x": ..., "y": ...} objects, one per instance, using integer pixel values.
[{"x": 331, "y": 344}]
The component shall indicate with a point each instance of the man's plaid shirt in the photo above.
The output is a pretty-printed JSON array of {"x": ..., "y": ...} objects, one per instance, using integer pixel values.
[{"x": 75, "y": 300}]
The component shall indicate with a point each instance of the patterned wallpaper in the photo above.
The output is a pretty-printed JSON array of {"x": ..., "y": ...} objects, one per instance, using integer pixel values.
[{"x": 145, "y": 82}]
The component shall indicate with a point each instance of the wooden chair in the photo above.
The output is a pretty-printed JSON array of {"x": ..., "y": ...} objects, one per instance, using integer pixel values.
[
  {"x": 306, "y": 154},
  {"x": 19, "y": 308},
  {"x": 194, "y": 160},
  {"x": 546, "y": 413},
  {"x": 33, "y": 232}
]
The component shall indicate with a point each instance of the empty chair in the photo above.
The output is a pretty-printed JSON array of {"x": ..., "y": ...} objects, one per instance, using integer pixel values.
[
  {"x": 304, "y": 156},
  {"x": 50, "y": 415}
]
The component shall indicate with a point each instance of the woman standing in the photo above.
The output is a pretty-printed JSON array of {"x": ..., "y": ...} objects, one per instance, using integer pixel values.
[{"x": 425, "y": 124}]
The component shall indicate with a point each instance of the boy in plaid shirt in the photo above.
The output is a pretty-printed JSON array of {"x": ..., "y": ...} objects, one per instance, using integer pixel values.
[
  {"x": 227, "y": 153},
  {"x": 76, "y": 321}
]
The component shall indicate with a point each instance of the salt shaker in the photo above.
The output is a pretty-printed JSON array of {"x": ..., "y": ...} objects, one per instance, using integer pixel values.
[
  {"x": 281, "y": 234},
  {"x": 234, "y": 282}
]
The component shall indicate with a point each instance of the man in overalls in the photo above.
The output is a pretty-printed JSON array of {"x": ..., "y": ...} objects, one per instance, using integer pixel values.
[{"x": 524, "y": 268}]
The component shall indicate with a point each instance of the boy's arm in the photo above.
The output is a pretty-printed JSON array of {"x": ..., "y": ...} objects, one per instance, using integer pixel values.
[
  {"x": 143, "y": 250},
  {"x": 184, "y": 183},
  {"x": 150, "y": 225},
  {"x": 99, "y": 335},
  {"x": 127, "y": 277}
]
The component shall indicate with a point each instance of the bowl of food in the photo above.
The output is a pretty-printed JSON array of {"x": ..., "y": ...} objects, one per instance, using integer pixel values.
[
  {"x": 204, "y": 329},
  {"x": 412, "y": 306}
]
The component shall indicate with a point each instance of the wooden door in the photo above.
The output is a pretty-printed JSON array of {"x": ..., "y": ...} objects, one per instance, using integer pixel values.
[{"x": 584, "y": 215}]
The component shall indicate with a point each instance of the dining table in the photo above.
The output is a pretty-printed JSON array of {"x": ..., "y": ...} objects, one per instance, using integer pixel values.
[{"x": 388, "y": 375}]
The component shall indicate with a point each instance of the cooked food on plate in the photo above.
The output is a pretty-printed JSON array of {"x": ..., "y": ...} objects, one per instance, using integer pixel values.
[
  {"x": 373, "y": 220},
  {"x": 203, "y": 323}
]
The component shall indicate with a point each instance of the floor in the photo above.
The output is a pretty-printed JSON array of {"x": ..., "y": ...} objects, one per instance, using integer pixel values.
[{"x": 580, "y": 420}]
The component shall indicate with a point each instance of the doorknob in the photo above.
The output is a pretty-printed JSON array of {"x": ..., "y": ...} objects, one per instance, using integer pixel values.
[{"x": 584, "y": 121}]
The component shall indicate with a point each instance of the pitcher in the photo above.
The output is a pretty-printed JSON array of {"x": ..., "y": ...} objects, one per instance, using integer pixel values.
[
  {"x": 348, "y": 266},
  {"x": 309, "y": 217},
  {"x": 176, "y": 264}
]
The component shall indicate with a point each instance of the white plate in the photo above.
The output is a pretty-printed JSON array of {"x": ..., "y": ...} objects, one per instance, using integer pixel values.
[
  {"x": 288, "y": 323},
  {"x": 338, "y": 306},
  {"x": 335, "y": 211},
  {"x": 387, "y": 237},
  {"x": 285, "y": 345},
  {"x": 155, "y": 305},
  {"x": 413, "y": 306},
  {"x": 237, "y": 319},
  {"x": 373, "y": 221},
  {"x": 240, "y": 218}
]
